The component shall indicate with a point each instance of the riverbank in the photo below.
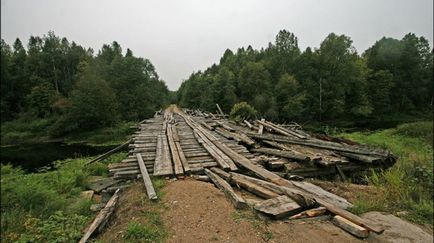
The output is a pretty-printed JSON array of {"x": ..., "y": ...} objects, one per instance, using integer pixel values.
[
  {"x": 406, "y": 189},
  {"x": 48, "y": 206},
  {"x": 37, "y": 131}
]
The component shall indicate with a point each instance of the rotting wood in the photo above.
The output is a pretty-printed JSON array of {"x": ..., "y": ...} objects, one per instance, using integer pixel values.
[
  {"x": 102, "y": 217},
  {"x": 146, "y": 179},
  {"x": 224, "y": 186}
]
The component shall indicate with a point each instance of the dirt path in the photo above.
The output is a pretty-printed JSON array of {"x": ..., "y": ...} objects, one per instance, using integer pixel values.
[
  {"x": 198, "y": 212},
  {"x": 195, "y": 211}
]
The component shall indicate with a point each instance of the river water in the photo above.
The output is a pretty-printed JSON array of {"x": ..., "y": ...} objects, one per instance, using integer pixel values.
[{"x": 33, "y": 156}]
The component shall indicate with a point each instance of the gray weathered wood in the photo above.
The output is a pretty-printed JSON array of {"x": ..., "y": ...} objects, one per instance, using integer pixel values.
[
  {"x": 102, "y": 217},
  {"x": 237, "y": 200},
  {"x": 146, "y": 179},
  {"x": 279, "y": 207}
]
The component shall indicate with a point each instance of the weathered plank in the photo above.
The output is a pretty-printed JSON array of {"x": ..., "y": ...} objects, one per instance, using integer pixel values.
[
  {"x": 163, "y": 164},
  {"x": 177, "y": 164},
  {"x": 279, "y": 207},
  {"x": 102, "y": 217},
  {"x": 237, "y": 200},
  {"x": 146, "y": 179}
]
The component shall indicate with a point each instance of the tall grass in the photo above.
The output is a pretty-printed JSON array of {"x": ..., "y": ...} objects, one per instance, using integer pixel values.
[
  {"x": 408, "y": 185},
  {"x": 43, "y": 207}
]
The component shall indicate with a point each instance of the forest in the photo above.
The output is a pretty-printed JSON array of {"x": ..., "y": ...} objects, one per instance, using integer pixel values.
[
  {"x": 393, "y": 78},
  {"x": 76, "y": 88}
]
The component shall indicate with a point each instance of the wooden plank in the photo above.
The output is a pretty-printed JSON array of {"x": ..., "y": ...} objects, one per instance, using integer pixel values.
[
  {"x": 182, "y": 157},
  {"x": 280, "y": 153},
  {"x": 349, "y": 216},
  {"x": 163, "y": 164},
  {"x": 350, "y": 227},
  {"x": 279, "y": 207},
  {"x": 107, "y": 154},
  {"x": 224, "y": 186},
  {"x": 102, "y": 217},
  {"x": 261, "y": 127},
  {"x": 253, "y": 188},
  {"x": 177, "y": 164},
  {"x": 220, "y": 110},
  {"x": 146, "y": 179},
  {"x": 101, "y": 184}
]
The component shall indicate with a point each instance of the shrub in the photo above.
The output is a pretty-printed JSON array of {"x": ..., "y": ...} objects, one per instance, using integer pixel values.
[{"x": 242, "y": 111}]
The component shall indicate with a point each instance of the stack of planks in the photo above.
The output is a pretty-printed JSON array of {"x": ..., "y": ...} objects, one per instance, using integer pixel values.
[{"x": 290, "y": 152}]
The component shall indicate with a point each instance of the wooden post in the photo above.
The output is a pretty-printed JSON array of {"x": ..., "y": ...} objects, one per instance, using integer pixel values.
[
  {"x": 146, "y": 179},
  {"x": 261, "y": 127},
  {"x": 220, "y": 110}
]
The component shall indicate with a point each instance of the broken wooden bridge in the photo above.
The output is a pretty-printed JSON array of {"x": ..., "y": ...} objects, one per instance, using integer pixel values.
[{"x": 256, "y": 163}]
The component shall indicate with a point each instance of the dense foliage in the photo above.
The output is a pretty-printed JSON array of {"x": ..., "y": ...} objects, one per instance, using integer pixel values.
[
  {"x": 330, "y": 82},
  {"x": 55, "y": 78}
]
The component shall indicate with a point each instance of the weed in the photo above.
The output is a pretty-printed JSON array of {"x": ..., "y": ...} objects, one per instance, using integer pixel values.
[
  {"x": 408, "y": 185},
  {"x": 143, "y": 233}
]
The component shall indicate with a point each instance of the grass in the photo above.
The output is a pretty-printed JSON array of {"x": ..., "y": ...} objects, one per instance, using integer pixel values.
[
  {"x": 408, "y": 186},
  {"x": 47, "y": 207}
]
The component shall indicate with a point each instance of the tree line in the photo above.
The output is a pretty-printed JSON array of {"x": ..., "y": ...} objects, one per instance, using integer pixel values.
[
  {"x": 56, "y": 78},
  {"x": 391, "y": 78}
]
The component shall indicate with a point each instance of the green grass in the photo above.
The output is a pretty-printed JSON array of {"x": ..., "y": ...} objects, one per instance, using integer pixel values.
[
  {"x": 43, "y": 207},
  {"x": 25, "y": 129},
  {"x": 408, "y": 186}
]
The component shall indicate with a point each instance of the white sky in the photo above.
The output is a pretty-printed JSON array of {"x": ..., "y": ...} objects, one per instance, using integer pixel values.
[{"x": 180, "y": 37}]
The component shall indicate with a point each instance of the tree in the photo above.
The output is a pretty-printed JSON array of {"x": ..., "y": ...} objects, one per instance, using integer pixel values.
[
  {"x": 289, "y": 98},
  {"x": 93, "y": 103}
]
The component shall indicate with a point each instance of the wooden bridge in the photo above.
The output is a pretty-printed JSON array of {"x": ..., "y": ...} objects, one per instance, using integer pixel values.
[{"x": 260, "y": 157}]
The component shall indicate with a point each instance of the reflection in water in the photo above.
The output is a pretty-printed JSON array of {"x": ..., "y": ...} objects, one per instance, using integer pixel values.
[{"x": 33, "y": 156}]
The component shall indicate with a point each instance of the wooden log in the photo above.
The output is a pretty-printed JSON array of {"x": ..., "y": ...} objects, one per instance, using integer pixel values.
[
  {"x": 261, "y": 127},
  {"x": 146, "y": 179},
  {"x": 350, "y": 227},
  {"x": 279, "y": 207},
  {"x": 107, "y": 154},
  {"x": 224, "y": 186},
  {"x": 102, "y": 217},
  {"x": 206, "y": 125},
  {"x": 280, "y": 153}
]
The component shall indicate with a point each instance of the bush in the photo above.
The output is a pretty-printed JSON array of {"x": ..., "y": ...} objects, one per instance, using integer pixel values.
[
  {"x": 242, "y": 111},
  {"x": 420, "y": 130}
]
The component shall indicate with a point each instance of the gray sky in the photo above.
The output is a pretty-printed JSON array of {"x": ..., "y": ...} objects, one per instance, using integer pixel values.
[{"x": 180, "y": 37}]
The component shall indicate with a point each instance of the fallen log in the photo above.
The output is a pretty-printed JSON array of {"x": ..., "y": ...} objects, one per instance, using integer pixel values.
[
  {"x": 146, "y": 179},
  {"x": 227, "y": 189},
  {"x": 101, "y": 219}
]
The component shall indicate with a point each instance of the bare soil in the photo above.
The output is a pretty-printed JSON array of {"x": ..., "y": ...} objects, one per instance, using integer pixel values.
[{"x": 195, "y": 211}]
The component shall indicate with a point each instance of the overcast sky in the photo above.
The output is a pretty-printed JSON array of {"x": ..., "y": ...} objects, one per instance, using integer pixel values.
[{"x": 180, "y": 37}]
